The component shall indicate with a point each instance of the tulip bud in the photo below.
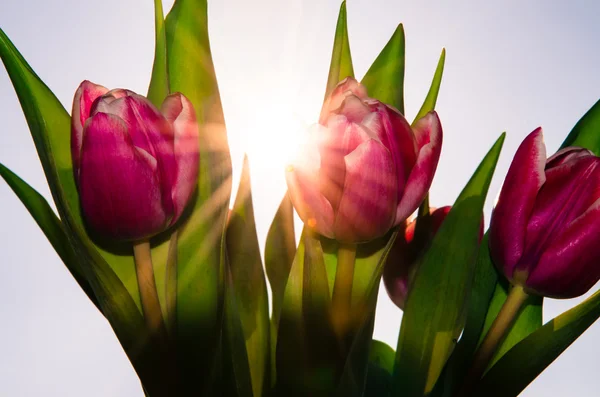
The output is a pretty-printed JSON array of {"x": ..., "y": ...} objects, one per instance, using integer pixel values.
[
  {"x": 402, "y": 260},
  {"x": 545, "y": 227},
  {"x": 364, "y": 169},
  {"x": 135, "y": 167},
  {"x": 407, "y": 251}
]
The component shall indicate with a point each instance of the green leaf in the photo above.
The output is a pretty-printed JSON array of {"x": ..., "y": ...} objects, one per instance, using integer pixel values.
[
  {"x": 385, "y": 78},
  {"x": 586, "y": 132},
  {"x": 528, "y": 358},
  {"x": 528, "y": 320},
  {"x": 280, "y": 249},
  {"x": 434, "y": 89},
  {"x": 248, "y": 283},
  {"x": 159, "y": 82},
  {"x": 51, "y": 226},
  {"x": 381, "y": 366},
  {"x": 436, "y": 306},
  {"x": 308, "y": 356},
  {"x": 341, "y": 59},
  {"x": 199, "y": 269},
  {"x": 483, "y": 286}
]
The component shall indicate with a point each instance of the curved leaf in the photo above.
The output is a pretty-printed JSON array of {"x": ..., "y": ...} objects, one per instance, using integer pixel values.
[
  {"x": 50, "y": 225},
  {"x": 586, "y": 132},
  {"x": 385, "y": 78},
  {"x": 381, "y": 367},
  {"x": 248, "y": 284},
  {"x": 436, "y": 306},
  {"x": 528, "y": 358},
  {"x": 434, "y": 89}
]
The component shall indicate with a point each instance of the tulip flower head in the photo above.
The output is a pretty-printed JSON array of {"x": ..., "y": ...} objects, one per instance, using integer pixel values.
[
  {"x": 135, "y": 167},
  {"x": 406, "y": 252},
  {"x": 364, "y": 169},
  {"x": 545, "y": 227}
]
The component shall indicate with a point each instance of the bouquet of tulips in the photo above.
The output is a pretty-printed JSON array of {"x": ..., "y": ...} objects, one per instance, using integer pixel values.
[{"x": 142, "y": 187}]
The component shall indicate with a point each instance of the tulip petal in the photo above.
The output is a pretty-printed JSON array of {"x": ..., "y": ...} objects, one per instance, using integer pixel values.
[
  {"x": 396, "y": 134},
  {"x": 179, "y": 111},
  {"x": 510, "y": 217},
  {"x": 118, "y": 183},
  {"x": 339, "y": 93},
  {"x": 368, "y": 203},
  {"x": 567, "y": 154},
  {"x": 569, "y": 267},
  {"x": 85, "y": 96},
  {"x": 428, "y": 136},
  {"x": 312, "y": 207}
]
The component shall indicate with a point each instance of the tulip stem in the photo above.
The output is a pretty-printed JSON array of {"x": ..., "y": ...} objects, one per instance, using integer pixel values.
[
  {"x": 171, "y": 284},
  {"x": 507, "y": 315},
  {"x": 147, "y": 286},
  {"x": 342, "y": 287}
]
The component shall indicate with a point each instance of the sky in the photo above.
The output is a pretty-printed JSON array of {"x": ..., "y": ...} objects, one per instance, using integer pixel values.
[{"x": 510, "y": 66}]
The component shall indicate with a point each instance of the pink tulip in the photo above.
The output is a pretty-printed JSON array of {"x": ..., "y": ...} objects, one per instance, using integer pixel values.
[
  {"x": 544, "y": 230},
  {"x": 364, "y": 169},
  {"x": 136, "y": 167}
]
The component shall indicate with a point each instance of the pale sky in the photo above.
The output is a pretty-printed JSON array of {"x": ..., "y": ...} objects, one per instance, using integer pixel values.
[{"x": 511, "y": 66}]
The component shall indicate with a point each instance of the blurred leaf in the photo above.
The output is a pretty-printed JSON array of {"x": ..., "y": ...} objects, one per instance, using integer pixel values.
[
  {"x": 341, "y": 59},
  {"x": 381, "y": 366},
  {"x": 434, "y": 89},
  {"x": 436, "y": 306},
  {"x": 586, "y": 132},
  {"x": 483, "y": 287},
  {"x": 47, "y": 220},
  {"x": 248, "y": 283},
  {"x": 385, "y": 78},
  {"x": 159, "y": 82},
  {"x": 49, "y": 125},
  {"x": 199, "y": 269},
  {"x": 280, "y": 249},
  {"x": 528, "y": 358},
  {"x": 528, "y": 320},
  {"x": 237, "y": 378},
  {"x": 307, "y": 349}
]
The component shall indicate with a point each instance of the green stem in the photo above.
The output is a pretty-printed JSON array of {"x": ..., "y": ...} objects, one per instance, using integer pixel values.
[
  {"x": 171, "y": 283},
  {"x": 507, "y": 315},
  {"x": 342, "y": 287},
  {"x": 147, "y": 286}
]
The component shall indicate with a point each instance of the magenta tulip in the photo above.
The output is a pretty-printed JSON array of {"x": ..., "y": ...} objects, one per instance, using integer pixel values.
[
  {"x": 544, "y": 230},
  {"x": 135, "y": 167},
  {"x": 364, "y": 169}
]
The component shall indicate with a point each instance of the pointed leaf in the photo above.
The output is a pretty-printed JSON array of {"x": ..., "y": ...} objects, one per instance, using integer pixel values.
[
  {"x": 341, "y": 59},
  {"x": 436, "y": 306},
  {"x": 528, "y": 358},
  {"x": 586, "y": 132},
  {"x": 434, "y": 89},
  {"x": 159, "y": 82},
  {"x": 199, "y": 269},
  {"x": 248, "y": 283},
  {"x": 385, "y": 78}
]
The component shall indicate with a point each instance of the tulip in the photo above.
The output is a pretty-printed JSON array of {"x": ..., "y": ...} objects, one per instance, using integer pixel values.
[
  {"x": 545, "y": 227},
  {"x": 135, "y": 167},
  {"x": 364, "y": 169},
  {"x": 406, "y": 252}
]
